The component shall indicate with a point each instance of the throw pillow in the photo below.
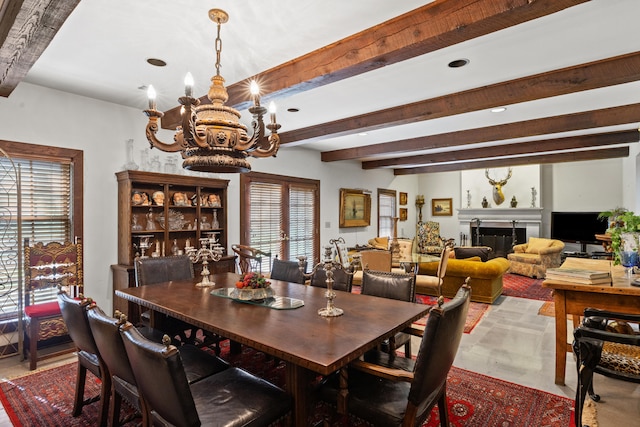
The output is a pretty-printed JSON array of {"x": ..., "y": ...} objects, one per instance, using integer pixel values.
[
  {"x": 380, "y": 243},
  {"x": 536, "y": 244}
]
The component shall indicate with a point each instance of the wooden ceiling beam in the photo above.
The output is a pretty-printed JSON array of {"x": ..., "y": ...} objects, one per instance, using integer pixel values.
[
  {"x": 575, "y": 156},
  {"x": 26, "y": 29},
  {"x": 625, "y": 114},
  {"x": 540, "y": 146},
  {"x": 607, "y": 72},
  {"x": 426, "y": 29}
]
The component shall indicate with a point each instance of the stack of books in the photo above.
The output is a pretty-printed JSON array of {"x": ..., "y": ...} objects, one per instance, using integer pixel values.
[{"x": 579, "y": 275}]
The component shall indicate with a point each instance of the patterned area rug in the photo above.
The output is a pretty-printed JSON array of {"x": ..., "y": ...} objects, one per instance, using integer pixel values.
[
  {"x": 45, "y": 398},
  {"x": 476, "y": 310},
  {"x": 514, "y": 285}
]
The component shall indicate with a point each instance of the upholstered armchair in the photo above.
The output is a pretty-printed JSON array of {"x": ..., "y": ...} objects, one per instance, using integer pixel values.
[
  {"x": 534, "y": 257},
  {"x": 428, "y": 238}
]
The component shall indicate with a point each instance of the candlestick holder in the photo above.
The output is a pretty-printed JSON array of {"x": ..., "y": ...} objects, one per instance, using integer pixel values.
[
  {"x": 329, "y": 264},
  {"x": 144, "y": 244},
  {"x": 210, "y": 249}
]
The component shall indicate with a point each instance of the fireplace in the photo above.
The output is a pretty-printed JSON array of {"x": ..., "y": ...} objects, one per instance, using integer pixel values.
[{"x": 499, "y": 227}]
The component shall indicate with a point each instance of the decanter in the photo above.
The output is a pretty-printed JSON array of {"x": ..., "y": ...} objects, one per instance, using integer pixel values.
[
  {"x": 130, "y": 165},
  {"x": 215, "y": 223}
]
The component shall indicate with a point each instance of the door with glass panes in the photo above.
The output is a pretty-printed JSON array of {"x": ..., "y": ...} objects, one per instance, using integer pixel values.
[{"x": 280, "y": 215}]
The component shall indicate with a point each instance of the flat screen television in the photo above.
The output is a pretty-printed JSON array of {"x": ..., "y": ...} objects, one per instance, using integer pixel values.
[{"x": 577, "y": 227}]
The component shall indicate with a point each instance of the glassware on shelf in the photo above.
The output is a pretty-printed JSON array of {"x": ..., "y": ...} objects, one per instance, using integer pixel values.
[
  {"x": 170, "y": 165},
  {"x": 215, "y": 224},
  {"x": 175, "y": 249},
  {"x": 144, "y": 160},
  {"x": 135, "y": 225},
  {"x": 155, "y": 164},
  {"x": 151, "y": 225},
  {"x": 130, "y": 165},
  {"x": 204, "y": 225},
  {"x": 629, "y": 259}
]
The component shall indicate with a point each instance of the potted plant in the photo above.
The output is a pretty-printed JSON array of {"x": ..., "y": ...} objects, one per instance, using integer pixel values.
[{"x": 624, "y": 229}]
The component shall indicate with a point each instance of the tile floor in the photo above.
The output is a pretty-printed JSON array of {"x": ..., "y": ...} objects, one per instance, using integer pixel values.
[{"x": 512, "y": 342}]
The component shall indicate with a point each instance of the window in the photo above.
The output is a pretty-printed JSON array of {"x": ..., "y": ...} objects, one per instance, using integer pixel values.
[
  {"x": 51, "y": 204},
  {"x": 280, "y": 215},
  {"x": 386, "y": 212}
]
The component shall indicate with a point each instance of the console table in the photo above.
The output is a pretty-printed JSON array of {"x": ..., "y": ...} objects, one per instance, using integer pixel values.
[{"x": 572, "y": 298}]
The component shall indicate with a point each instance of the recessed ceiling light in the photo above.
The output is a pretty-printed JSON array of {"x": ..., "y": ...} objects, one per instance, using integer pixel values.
[
  {"x": 458, "y": 63},
  {"x": 498, "y": 110},
  {"x": 292, "y": 110},
  {"x": 363, "y": 134},
  {"x": 156, "y": 62}
]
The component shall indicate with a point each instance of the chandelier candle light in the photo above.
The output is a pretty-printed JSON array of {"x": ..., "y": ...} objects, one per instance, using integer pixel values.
[{"x": 211, "y": 138}]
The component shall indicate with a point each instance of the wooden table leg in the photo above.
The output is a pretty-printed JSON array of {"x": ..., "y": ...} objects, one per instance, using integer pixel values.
[
  {"x": 297, "y": 384},
  {"x": 559, "y": 300}
]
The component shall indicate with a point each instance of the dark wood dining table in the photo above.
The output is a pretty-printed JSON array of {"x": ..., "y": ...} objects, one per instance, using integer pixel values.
[{"x": 308, "y": 343}]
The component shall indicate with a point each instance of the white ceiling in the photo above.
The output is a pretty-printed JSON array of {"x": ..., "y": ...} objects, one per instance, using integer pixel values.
[{"x": 101, "y": 52}]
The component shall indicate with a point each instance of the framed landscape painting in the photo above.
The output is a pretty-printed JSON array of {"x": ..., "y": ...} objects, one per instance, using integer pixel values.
[
  {"x": 441, "y": 207},
  {"x": 355, "y": 208}
]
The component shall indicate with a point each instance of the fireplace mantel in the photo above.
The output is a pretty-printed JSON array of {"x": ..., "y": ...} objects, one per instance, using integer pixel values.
[{"x": 529, "y": 218}]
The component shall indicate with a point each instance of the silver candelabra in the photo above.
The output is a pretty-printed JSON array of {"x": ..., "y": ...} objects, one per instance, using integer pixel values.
[
  {"x": 329, "y": 264},
  {"x": 210, "y": 249}
]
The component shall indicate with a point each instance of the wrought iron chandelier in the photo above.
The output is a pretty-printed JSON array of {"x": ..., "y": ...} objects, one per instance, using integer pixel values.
[{"x": 211, "y": 138}]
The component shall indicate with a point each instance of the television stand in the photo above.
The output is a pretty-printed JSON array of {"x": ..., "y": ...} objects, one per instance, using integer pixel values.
[{"x": 574, "y": 254}]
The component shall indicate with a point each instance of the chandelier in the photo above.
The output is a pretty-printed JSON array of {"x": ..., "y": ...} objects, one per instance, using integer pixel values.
[{"x": 210, "y": 137}]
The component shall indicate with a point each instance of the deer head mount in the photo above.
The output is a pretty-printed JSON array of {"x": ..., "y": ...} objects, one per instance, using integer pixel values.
[{"x": 498, "y": 195}]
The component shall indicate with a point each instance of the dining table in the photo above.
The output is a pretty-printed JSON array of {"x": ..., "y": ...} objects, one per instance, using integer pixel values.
[{"x": 286, "y": 326}]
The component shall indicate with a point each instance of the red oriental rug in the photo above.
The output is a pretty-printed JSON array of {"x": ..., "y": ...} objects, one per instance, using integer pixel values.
[
  {"x": 44, "y": 398},
  {"x": 514, "y": 285}
]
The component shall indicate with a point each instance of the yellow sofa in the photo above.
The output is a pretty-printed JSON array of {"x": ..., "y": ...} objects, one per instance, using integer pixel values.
[
  {"x": 486, "y": 277},
  {"x": 534, "y": 257}
]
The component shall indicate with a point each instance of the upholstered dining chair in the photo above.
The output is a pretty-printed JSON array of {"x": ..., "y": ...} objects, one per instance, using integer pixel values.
[
  {"x": 399, "y": 286},
  {"x": 388, "y": 391},
  {"x": 230, "y": 397},
  {"x": 150, "y": 271},
  {"x": 606, "y": 344},
  {"x": 48, "y": 267},
  {"x": 288, "y": 271},
  {"x": 249, "y": 259},
  {"x": 342, "y": 280},
  {"x": 74, "y": 313},
  {"x": 106, "y": 333}
]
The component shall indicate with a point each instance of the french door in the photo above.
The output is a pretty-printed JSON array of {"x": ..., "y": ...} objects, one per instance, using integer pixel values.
[{"x": 280, "y": 215}]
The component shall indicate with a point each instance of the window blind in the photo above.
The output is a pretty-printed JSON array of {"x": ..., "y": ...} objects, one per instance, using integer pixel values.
[
  {"x": 301, "y": 220},
  {"x": 265, "y": 218}
]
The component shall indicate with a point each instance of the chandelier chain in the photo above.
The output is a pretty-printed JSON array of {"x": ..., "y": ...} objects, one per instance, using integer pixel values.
[{"x": 218, "y": 50}]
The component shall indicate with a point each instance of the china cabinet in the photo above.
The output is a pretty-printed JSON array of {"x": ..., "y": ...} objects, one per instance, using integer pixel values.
[{"x": 159, "y": 214}]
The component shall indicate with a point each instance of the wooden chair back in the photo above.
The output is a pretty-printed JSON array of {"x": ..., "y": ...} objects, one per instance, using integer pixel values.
[
  {"x": 52, "y": 265},
  {"x": 249, "y": 259},
  {"x": 376, "y": 260}
]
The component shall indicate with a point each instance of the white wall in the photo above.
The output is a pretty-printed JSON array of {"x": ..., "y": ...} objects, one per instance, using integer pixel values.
[{"x": 38, "y": 115}]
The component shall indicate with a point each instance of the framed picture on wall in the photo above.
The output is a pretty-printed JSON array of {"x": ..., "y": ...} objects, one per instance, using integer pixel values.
[
  {"x": 403, "y": 214},
  {"x": 355, "y": 208},
  {"x": 441, "y": 207},
  {"x": 403, "y": 198}
]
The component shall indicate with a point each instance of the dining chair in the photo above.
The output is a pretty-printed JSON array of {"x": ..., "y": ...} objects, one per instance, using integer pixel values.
[
  {"x": 74, "y": 313},
  {"x": 399, "y": 286},
  {"x": 153, "y": 270},
  {"x": 249, "y": 259},
  {"x": 230, "y": 397},
  {"x": 48, "y": 267},
  {"x": 375, "y": 260},
  {"x": 436, "y": 282},
  {"x": 605, "y": 343},
  {"x": 342, "y": 280},
  {"x": 288, "y": 271},
  {"x": 106, "y": 333},
  {"x": 387, "y": 391}
]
